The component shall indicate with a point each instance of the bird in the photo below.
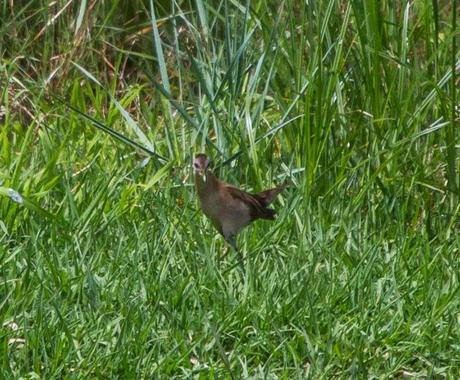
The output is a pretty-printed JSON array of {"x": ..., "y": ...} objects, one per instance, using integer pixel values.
[{"x": 229, "y": 208}]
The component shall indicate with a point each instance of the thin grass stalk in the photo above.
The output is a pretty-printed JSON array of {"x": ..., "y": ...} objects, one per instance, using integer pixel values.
[{"x": 452, "y": 168}]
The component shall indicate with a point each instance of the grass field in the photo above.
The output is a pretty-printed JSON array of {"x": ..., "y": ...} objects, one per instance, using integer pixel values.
[{"x": 108, "y": 269}]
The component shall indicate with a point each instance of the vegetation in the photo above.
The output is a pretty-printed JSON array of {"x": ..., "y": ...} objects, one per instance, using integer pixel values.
[{"x": 109, "y": 270}]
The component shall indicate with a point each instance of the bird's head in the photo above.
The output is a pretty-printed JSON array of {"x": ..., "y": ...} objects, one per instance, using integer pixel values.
[{"x": 200, "y": 164}]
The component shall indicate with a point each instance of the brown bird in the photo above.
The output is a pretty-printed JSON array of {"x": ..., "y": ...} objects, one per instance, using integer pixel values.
[{"x": 230, "y": 209}]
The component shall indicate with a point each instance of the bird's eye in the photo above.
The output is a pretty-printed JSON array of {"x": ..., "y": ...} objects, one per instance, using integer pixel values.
[{"x": 195, "y": 165}]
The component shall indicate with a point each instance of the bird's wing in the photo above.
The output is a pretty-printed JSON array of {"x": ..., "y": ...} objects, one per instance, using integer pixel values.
[{"x": 257, "y": 209}]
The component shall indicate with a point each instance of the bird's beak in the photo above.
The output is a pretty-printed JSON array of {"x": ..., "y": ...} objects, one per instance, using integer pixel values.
[{"x": 201, "y": 172}]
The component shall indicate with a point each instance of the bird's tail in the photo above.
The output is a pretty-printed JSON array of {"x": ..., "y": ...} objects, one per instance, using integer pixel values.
[
  {"x": 268, "y": 196},
  {"x": 269, "y": 214}
]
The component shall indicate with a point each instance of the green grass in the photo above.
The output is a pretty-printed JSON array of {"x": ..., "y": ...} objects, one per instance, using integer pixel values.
[{"x": 108, "y": 268}]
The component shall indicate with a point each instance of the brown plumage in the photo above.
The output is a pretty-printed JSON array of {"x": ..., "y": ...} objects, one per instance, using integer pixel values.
[{"x": 229, "y": 208}]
